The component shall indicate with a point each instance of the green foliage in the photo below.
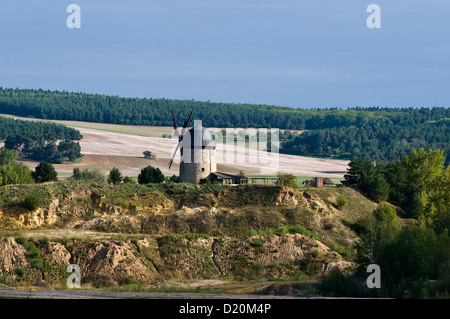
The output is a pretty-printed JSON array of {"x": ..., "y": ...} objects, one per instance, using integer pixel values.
[
  {"x": 382, "y": 134},
  {"x": 32, "y": 202},
  {"x": 44, "y": 172},
  {"x": 338, "y": 284},
  {"x": 16, "y": 173},
  {"x": 341, "y": 201},
  {"x": 379, "y": 188},
  {"x": 33, "y": 253},
  {"x": 148, "y": 154},
  {"x": 21, "y": 240},
  {"x": 174, "y": 179},
  {"x": 89, "y": 175},
  {"x": 413, "y": 253},
  {"x": 419, "y": 184},
  {"x": 286, "y": 179},
  {"x": 20, "y": 271},
  {"x": 44, "y": 240},
  {"x": 128, "y": 180},
  {"x": 150, "y": 174},
  {"x": 376, "y": 134},
  {"x": 8, "y": 157},
  {"x": 114, "y": 177},
  {"x": 69, "y": 149},
  {"x": 380, "y": 230},
  {"x": 38, "y": 140}
]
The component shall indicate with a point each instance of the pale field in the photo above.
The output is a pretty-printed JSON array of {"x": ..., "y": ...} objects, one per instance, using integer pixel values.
[{"x": 110, "y": 145}]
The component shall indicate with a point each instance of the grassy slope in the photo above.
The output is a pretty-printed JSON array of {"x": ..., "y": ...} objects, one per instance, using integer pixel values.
[{"x": 252, "y": 208}]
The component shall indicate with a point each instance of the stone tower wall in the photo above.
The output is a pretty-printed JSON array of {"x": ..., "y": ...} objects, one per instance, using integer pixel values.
[{"x": 192, "y": 172}]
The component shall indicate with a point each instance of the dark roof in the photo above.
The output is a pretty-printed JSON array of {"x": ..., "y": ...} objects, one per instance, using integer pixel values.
[
  {"x": 226, "y": 175},
  {"x": 189, "y": 138}
]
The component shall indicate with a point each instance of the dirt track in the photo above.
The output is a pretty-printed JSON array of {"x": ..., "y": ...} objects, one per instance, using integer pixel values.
[{"x": 93, "y": 294}]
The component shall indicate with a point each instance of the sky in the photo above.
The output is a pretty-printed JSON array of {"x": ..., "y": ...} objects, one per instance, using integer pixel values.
[{"x": 311, "y": 53}]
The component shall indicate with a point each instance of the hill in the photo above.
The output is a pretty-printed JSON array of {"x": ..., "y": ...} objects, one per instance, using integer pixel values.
[{"x": 156, "y": 233}]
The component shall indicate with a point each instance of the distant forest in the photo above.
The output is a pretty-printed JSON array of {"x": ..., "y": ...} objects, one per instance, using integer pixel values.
[
  {"x": 381, "y": 134},
  {"x": 40, "y": 140}
]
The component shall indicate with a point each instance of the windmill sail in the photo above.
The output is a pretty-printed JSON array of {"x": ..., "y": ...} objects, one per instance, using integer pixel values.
[{"x": 180, "y": 137}]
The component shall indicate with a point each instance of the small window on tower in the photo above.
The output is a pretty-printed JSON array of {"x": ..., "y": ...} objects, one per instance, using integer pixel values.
[{"x": 203, "y": 169}]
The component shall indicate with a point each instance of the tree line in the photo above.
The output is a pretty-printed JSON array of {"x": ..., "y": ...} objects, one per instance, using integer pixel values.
[
  {"x": 40, "y": 141},
  {"x": 375, "y": 140},
  {"x": 373, "y": 133},
  {"x": 417, "y": 188}
]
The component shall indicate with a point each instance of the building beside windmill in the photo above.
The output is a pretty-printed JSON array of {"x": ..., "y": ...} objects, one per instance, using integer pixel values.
[{"x": 198, "y": 156}]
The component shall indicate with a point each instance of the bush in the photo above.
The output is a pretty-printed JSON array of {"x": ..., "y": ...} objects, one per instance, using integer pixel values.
[
  {"x": 44, "y": 172},
  {"x": 258, "y": 266},
  {"x": 286, "y": 179},
  {"x": 257, "y": 243},
  {"x": 150, "y": 174},
  {"x": 128, "y": 180},
  {"x": 341, "y": 201},
  {"x": 282, "y": 231},
  {"x": 338, "y": 284},
  {"x": 20, "y": 271},
  {"x": 114, "y": 177},
  {"x": 32, "y": 202},
  {"x": 21, "y": 240},
  {"x": 89, "y": 175},
  {"x": 15, "y": 173},
  {"x": 44, "y": 241}
]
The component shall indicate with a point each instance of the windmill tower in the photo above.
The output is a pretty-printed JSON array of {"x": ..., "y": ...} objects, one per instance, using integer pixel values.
[{"x": 197, "y": 151}]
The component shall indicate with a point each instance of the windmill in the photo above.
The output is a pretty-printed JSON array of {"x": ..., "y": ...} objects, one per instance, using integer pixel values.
[{"x": 197, "y": 150}]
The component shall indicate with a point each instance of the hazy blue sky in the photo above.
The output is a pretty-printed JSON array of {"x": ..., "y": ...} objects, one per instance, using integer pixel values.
[{"x": 314, "y": 53}]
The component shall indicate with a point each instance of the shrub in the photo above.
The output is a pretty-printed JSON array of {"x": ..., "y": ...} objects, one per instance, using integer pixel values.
[
  {"x": 341, "y": 201},
  {"x": 150, "y": 174},
  {"x": 32, "y": 202},
  {"x": 297, "y": 230},
  {"x": 252, "y": 232},
  {"x": 20, "y": 271},
  {"x": 258, "y": 266},
  {"x": 44, "y": 240},
  {"x": 282, "y": 231},
  {"x": 257, "y": 243},
  {"x": 128, "y": 180},
  {"x": 115, "y": 176},
  {"x": 44, "y": 172},
  {"x": 21, "y": 240},
  {"x": 15, "y": 173},
  {"x": 286, "y": 179},
  {"x": 338, "y": 284}
]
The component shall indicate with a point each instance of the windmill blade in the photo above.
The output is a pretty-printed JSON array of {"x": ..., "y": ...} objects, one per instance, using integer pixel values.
[
  {"x": 175, "y": 126},
  {"x": 180, "y": 136},
  {"x": 174, "y": 154},
  {"x": 187, "y": 120},
  {"x": 183, "y": 130},
  {"x": 174, "y": 120}
]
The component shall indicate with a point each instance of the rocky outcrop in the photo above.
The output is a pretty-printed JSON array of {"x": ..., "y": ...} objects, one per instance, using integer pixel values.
[
  {"x": 17, "y": 217},
  {"x": 110, "y": 263},
  {"x": 13, "y": 261},
  {"x": 286, "y": 197},
  {"x": 154, "y": 259}
]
